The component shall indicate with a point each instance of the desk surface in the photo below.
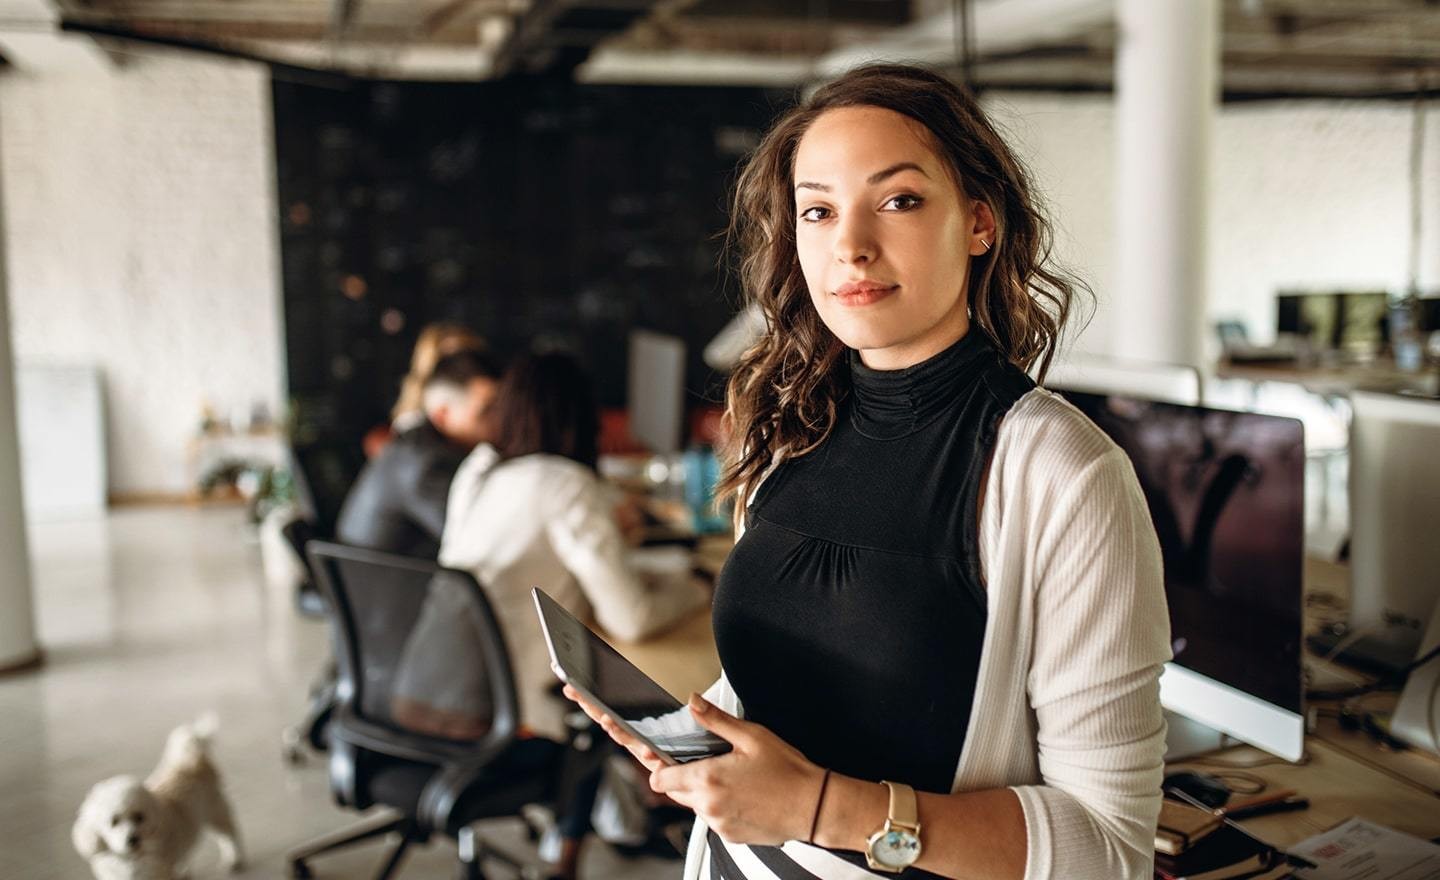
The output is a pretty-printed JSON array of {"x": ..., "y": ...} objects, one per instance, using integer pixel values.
[
  {"x": 1348, "y": 773},
  {"x": 1380, "y": 375},
  {"x": 681, "y": 659},
  {"x": 1339, "y": 786}
]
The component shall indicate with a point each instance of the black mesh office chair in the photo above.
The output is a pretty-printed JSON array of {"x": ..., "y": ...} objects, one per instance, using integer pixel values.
[
  {"x": 426, "y": 720},
  {"x": 320, "y": 702},
  {"x": 321, "y": 474}
]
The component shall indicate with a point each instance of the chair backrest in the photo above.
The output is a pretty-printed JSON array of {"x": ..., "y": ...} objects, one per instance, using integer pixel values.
[
  {"x": 419, "y": 650},
  {"x": 322, "y": 474},
  {"x": 298, "y": 533}
]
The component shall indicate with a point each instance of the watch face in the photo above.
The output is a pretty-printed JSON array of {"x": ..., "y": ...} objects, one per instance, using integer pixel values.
[{"x": 896, "y": 848}]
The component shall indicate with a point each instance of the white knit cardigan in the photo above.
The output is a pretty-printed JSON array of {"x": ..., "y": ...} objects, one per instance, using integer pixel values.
[{"x": 1067, "y": 710}]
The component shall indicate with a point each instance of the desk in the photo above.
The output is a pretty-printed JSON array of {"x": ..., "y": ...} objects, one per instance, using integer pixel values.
[
  {"x": 1339, "y": 786},
  {"x": 683, "y": 658},
  {"x": 1380, "y": 375},
  {"x": 1349, "y": 774}
]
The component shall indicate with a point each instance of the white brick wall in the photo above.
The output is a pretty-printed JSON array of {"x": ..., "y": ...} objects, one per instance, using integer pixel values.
[{"x": 141, "y": 238}]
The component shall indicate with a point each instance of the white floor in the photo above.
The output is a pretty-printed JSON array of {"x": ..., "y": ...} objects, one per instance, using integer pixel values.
[{"x": 149, "y": 618}]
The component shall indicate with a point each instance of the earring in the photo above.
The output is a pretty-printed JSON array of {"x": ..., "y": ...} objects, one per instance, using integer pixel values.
[{"x": 986, "y": 244}]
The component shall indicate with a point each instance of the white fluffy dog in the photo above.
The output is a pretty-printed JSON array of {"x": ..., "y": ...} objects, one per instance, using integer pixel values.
[{"x": 129, "y": 830}]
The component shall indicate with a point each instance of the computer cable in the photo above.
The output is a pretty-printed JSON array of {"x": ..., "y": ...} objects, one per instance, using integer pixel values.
[{"x": 1393, "y": 680}]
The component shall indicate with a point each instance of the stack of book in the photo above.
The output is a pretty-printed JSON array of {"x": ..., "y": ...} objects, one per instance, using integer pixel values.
[{"x": 1192, "y": 843}]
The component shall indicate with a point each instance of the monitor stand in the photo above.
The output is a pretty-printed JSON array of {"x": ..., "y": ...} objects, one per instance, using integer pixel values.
[{"x": 1187, "y": 738}]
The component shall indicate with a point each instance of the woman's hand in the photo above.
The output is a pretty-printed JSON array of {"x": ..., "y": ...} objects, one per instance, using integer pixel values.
[
  {"x": 629, "y": 513},
  {"x": 764, "y": 792},
  {"x": 635, "y": 747}
]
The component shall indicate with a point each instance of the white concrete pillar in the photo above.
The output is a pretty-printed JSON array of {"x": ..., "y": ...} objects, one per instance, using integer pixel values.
[
  {"x": 1167, "y": 90},
  {"x": 17, "y": 611}
]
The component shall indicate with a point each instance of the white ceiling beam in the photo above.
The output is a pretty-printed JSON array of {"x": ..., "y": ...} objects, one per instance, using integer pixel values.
[
  {"x": 31, "y": 41},
  {"x": 390, "y": 61},
  {"x": 688, "y": 67},
  {"x": 999, "y": 26}
]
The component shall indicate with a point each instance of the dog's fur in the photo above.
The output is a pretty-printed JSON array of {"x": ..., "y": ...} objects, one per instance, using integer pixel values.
[{"x": 129, "y": 830}]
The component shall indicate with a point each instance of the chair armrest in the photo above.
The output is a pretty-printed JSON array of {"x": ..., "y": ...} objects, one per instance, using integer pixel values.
[
  {"x": 354, "y": 730},
  {"x": 445, "y": 788}
]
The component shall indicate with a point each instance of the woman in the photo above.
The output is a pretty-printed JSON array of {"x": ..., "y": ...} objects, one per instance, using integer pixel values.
[
  {"x": 531, "y": 511},
  {"x": 947, "y": 579}
]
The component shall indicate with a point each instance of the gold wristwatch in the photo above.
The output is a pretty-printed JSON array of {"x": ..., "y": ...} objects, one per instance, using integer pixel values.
[{"x": 896, "y": 846}]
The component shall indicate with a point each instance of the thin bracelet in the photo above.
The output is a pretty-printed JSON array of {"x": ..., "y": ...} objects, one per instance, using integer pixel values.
[{"x": 820, "y": 801}]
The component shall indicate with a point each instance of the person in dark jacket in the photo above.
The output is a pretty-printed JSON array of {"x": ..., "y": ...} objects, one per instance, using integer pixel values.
[{"x": 398, "y": 502}]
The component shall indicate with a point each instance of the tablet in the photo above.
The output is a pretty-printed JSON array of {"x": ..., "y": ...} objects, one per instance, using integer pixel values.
[{"x": 638, "y": 705}]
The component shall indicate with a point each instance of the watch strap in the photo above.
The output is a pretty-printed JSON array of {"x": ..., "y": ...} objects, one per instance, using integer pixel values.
[{"x": 904, "y": 810}]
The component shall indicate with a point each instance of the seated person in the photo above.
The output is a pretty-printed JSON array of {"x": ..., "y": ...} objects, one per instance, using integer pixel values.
[
  {"x": 398, "y": 502},
  {"x": 435, "y": 342},
  {"x": 530, "y": 510}
]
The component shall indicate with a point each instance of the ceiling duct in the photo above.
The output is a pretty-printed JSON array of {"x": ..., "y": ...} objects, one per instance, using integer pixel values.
[{"x": 553, "y": 37}]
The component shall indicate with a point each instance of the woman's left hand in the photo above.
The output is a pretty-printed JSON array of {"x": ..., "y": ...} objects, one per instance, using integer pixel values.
[{"x": 764, "y": 792}]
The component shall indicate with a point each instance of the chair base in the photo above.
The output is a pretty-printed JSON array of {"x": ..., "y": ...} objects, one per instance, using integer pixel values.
[
  {"x": 474, "y": 850},
  {"x": 299, "y": 858}
]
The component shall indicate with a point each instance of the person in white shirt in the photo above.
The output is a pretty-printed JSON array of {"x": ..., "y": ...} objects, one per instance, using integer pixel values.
[
  {"x": 529, "y": 510},
  {"x": 947, "y": 579}
]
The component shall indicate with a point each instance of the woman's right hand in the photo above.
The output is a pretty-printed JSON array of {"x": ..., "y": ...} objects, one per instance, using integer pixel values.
[
  {"x": 629, "y": 515},
  {"x": 642, "y": 753}
]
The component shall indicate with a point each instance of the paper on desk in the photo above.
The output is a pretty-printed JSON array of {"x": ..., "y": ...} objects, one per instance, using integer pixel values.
[{"x": 1358, "y": 849}]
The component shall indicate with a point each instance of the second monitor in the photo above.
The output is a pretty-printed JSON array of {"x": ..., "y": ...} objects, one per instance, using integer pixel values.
[
  {"x": 656, "y": 390},
  {"x": 1226, "y": 494}
]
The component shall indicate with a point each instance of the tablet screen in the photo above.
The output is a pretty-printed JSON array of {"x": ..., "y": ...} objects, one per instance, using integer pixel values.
[{"x": 629, "y": 695}]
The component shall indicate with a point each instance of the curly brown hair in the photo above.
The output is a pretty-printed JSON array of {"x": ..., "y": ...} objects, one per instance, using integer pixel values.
[{"x": 783, "y": 397}]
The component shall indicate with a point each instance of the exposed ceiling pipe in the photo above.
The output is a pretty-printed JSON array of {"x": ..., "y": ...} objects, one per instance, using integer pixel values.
[
  {"x": 553, "y": 37},
  {"x": 30, "y": 41},
  {"x": 997, "y": 25},
  {"x": 310, "y": 76}
]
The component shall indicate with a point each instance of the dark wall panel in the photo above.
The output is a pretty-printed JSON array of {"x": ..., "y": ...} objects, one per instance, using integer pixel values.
[{"x": 540, "y": 213}]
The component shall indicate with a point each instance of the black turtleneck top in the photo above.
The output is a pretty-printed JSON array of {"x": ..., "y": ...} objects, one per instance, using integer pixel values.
[{"x": 849, "y": 617}]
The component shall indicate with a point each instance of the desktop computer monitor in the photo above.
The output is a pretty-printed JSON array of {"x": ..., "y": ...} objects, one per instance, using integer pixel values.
[
  {"x": 1226, "y": 494},
  {"x": 1429, "y": 317},
  {"x": 1394, "y": 512},
  {"x": 1351, "y": 323},
  {"x": 1172, "y": 383},
  {"x": 656, "y": 390},
  {"x": 1417, "y": 714}
]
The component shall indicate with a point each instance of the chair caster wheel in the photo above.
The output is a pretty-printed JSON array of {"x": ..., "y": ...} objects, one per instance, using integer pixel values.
[{"x": 300, "y": 871}]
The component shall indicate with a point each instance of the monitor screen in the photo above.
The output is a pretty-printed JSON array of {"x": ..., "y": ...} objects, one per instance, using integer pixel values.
[
  {"x": 656, "y": 392},
  {"x": 1394, "y": 507},
  {"x": 1354, "y": 323},
  {"x": 1364, "y": 321},
  {"x": 1226, "y": 494},
  {"x": 1429, "y": 317}
]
